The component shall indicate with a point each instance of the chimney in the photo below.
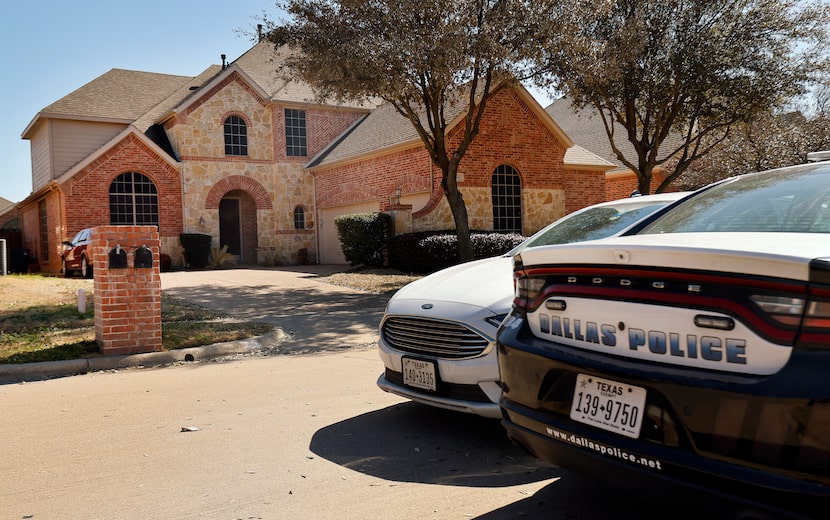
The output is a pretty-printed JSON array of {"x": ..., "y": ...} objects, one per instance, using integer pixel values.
[
  {"x": 259, "y": 32},
  {"x": 223, "y": 61}
]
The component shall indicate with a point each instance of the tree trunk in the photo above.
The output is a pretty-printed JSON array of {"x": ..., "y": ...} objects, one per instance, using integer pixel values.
[
  {"x": 644, "y": 181},
  {"x": 459, "y": 212}
]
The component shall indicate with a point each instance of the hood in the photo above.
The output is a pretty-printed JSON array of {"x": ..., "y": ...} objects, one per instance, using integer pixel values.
[{"x": 484, "y": 283}]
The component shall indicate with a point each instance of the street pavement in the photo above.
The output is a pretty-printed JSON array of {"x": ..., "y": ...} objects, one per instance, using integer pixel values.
[{"x": 308, "y": 316}]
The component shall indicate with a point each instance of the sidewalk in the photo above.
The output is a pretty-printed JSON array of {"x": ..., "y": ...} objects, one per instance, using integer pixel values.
[{"x": 308, "y": 316}]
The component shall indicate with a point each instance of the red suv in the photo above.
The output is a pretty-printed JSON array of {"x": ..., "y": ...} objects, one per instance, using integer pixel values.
[{"x": 74, "y": 258}]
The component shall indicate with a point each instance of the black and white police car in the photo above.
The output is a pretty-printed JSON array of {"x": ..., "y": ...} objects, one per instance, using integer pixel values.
[{"x": 694, "y": 354}]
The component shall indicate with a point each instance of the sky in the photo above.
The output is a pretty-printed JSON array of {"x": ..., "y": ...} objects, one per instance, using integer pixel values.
[{"x": 49, "y": 48}]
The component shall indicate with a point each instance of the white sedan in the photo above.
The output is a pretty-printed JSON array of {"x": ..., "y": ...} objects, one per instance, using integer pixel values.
[{"x": 437, "y": 336}]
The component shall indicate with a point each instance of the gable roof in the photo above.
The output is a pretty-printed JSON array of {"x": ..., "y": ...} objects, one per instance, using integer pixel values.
[
  {"x": 384, "y": 130},
  {"x": 586, "y": 128},
  {"x": 258, "y": 67},
  {"x": 117, "y": 96},
  {"x": 5, "y": 204}
]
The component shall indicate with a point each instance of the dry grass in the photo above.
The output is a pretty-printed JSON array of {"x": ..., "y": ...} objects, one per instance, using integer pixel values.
[
  {"x": 40, "y": 318},
  {"x": 40, "y": 321},
  {"x": 374, "y": 280}
]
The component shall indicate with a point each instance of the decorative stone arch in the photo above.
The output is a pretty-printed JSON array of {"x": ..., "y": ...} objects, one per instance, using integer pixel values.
[
  {"x": 348, "y": 193},
  {"x": 238, "y": 114},
  {"x": 238, "y": 182}
]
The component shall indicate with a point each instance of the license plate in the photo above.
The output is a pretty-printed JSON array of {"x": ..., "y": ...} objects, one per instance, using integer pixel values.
[
  {"x": 419, "y": 373},
  {"x": 610, "y": 405}
]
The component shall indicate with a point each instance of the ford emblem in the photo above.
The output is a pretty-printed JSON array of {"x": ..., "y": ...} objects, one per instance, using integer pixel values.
[{"x": 426, "y": 306}]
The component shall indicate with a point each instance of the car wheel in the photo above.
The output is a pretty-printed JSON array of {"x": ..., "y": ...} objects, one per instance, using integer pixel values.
[
  {"x": 67, "y": 273},
  {"x": 86, "y": 269}
]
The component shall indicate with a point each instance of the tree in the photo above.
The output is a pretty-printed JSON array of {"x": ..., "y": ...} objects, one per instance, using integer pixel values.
[
  {"x": 427, "y": 59},
  {"x": 688, "y": 69},
  {"x": 771, "y": 140}
]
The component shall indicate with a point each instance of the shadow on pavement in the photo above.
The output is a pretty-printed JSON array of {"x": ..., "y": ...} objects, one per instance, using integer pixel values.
[
  {"x": 415, "y": 443},
  {"x": 321, "y": 318}
]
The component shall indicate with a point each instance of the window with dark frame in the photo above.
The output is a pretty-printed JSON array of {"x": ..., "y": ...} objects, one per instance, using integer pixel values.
[
  {"x": 133, "y": 200},
  {"x": 299, "y": 218},
  {"x": 44, "y": 231},
  {"x": 506, "y": 191},
  {"x": 236, "y": 136},
  {"x": 296, "y": 143}
]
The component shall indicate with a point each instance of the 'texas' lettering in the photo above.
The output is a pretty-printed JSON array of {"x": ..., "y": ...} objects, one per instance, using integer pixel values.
[{"x": 709, "y": 348}]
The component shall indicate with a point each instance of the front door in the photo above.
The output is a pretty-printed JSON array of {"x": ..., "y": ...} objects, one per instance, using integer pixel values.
[{"x": 230, "y": 232}]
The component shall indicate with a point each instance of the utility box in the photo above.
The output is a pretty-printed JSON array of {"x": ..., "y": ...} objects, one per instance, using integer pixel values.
[{"x": 127, "y": 297}]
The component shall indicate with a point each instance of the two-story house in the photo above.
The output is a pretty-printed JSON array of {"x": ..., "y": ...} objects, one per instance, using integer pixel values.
[{"x": 243, "y": 155}]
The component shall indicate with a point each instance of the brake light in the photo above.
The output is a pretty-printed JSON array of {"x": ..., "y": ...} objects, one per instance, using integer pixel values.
[{"x": 528, "y": 288}]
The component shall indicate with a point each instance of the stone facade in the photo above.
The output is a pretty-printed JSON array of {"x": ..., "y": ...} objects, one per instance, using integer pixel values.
[{"x": 269, "y": 184}]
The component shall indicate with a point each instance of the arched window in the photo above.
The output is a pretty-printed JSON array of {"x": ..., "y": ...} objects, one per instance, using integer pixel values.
[
  {"x": 507, "y": 200},
  {"x": 299, "y": 218},
  {"x": 236, "y": 136},
  {"x": 134, "y": 200}
]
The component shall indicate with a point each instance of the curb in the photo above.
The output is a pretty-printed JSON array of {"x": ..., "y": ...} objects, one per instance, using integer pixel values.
[{"x": 24, "y": 372}]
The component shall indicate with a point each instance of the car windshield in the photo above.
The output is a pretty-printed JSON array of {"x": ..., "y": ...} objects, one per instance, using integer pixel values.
[
  {"x": 593, "y": 223},
  {"x": 790, "y": 200}
]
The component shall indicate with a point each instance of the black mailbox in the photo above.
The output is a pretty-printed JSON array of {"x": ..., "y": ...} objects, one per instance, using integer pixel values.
[
  {"x": 143, "y": 258},
  {"x": 118, "y": 258}
]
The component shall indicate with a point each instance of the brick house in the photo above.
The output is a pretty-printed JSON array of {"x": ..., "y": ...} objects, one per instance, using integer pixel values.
[{"x": 249, "y": 158}]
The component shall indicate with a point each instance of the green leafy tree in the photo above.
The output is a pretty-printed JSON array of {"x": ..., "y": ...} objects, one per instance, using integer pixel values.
[
  {"x": 430, "y": 60},
  {"x": 675, "y": 76}
]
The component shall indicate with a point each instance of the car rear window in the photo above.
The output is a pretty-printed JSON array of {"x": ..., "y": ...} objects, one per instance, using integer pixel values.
[{"x": 795, "y": 200}]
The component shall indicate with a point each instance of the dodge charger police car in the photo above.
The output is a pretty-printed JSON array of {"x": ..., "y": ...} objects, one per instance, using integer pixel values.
[
  {"x": 437, "y": 336},
  {"x": 695, "y": 352}
]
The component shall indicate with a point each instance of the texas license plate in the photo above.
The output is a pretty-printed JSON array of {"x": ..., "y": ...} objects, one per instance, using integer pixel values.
[
  {"x": 419, "y": 373},
  {"x": 610, "y": 405}
]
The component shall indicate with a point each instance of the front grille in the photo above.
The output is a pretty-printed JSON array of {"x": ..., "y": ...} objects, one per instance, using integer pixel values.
[{"x": 433, "y": 338}]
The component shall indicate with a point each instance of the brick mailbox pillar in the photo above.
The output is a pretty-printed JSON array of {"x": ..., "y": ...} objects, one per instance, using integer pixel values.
[{"x": 127, "y": 289}]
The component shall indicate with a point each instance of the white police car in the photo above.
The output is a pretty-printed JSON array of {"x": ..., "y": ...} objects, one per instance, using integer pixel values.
[
  {"x": 696, "y": 352},
  {"x": 437, "y": 336}
]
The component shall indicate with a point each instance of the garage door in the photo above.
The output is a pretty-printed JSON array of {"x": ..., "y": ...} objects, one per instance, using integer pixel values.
[{"x": 330, "y": 250}]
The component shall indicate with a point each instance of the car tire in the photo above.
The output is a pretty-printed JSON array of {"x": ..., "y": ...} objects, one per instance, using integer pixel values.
[
  {"x": 86, "y": 269},
  {"x": 67, "y": 273}
]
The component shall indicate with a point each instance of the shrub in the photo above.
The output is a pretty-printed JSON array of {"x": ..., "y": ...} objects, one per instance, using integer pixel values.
[
  {"x": 219, "y": 257},
  {"x": 363, "y": 237},
  {"x": 426, "y": 252},
  {"x": 196, "y": 249}
]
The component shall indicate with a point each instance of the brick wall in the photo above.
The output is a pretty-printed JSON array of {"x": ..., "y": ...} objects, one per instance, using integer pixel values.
[
  {"x": 620, "y": 185},
  {"x": 512, "y": 134},
  {"x": 87, "y": 199},
  {"x": 127, "y": 300}
]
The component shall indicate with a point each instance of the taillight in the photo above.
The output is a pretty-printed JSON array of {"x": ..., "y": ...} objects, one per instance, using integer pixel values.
[
  {"x": 525, "y": 288},
  {"x": 815, "y": 329},
  {"x": 528, "y": 288},
  {"x": 817, "y": 317},
  {"x": 786, "y": 310}
]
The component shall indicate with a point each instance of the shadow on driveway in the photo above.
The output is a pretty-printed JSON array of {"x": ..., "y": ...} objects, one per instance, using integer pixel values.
[
  {"x": 410, "y": 442},
  {"x": 316, "y": 316}
]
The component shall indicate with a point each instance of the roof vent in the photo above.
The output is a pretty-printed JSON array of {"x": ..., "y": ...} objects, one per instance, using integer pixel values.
[{"x": 818, "y": 156}]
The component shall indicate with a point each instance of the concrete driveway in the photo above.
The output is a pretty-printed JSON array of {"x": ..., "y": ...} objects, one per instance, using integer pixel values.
[{"x": 315, "y": 315}]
